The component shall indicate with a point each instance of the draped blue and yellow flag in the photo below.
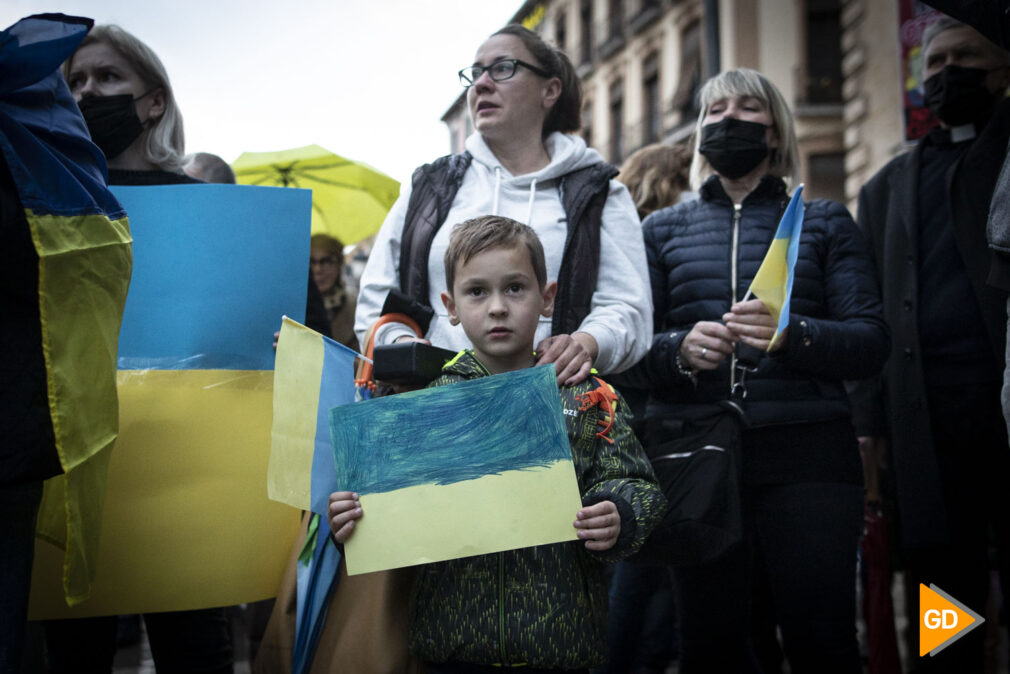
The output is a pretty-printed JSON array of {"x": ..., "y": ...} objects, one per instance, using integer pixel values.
[
  {"x": 187, "y": 521},
  {"x": 314, "y": 374},
  {"x": 82, "y": 237},
  {"x": 773, "y": 283}
]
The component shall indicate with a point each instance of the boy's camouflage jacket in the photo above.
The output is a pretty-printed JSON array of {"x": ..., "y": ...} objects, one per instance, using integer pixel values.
[{"x": 545, "y": 607}]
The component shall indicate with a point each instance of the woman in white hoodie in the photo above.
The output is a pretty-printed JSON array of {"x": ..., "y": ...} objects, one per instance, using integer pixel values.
[{"x": 522, "y": 162}]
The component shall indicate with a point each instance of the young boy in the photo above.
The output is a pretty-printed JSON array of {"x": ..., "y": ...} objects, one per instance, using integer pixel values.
[{"x": 541, "y": 608}]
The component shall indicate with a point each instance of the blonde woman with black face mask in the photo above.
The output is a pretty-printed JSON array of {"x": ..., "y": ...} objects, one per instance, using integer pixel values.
[
  {"x": 801, "y": 491},
  {"x": 127, "y": 101}
]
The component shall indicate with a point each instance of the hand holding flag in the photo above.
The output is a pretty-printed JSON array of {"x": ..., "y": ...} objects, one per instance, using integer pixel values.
[{"x": 773, "y": 283}]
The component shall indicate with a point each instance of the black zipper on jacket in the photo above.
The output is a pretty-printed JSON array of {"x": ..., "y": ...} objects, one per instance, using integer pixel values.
[{"x": 733, "y": 271}]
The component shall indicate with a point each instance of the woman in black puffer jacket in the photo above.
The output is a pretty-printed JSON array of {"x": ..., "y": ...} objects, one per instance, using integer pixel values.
[{"x": 802, "y": 478}]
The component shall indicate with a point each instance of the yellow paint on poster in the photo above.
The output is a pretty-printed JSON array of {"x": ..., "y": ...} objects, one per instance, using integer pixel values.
[
  {"x": 432, "y": 523},
  {"x": 187, "y": 523}
]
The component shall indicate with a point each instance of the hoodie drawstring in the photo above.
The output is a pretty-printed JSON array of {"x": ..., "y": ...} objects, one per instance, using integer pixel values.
[
  {"x": 533, "y": 194},
  {"x": 497, "y": 191},
  {"x": 497, "y": 187}
]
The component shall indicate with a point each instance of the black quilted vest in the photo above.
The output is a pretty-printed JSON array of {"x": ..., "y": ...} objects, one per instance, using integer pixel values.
[{"x": 583, "y": 195}]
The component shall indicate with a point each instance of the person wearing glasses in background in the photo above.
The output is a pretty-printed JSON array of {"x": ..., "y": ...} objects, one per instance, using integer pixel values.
[
  {"x": 523, "y": 162},
  {"x": 327, "y": 266}
]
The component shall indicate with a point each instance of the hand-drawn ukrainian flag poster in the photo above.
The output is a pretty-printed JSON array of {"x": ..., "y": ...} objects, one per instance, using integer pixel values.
[
  {"x": 466, "y": 469},
  {"x": 187, "y": 522}
]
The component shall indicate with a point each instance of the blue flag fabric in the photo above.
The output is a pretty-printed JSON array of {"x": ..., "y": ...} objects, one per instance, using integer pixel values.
[{"x": 317, "y": 574}]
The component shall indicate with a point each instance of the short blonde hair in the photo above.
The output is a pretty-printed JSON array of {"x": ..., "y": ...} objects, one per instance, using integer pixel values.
[
  {"x": 165, "y": 146},
  {"x": 656, "y": 175},
  {"x": 474, "y": 236},
  {"x": 746, "y": 82}
]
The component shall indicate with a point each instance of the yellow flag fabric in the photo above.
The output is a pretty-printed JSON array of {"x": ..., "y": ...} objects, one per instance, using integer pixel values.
[
  {"x": 84, "y": 272},
  {"x": 314, "y": 374},
  {"x": 773, "y": 282},
  {"x": 299, "y": 369}
]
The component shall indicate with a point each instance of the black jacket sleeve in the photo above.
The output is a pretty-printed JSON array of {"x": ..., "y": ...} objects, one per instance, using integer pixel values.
[
  {"x": 866, "y": 395},
  {"x": 853, "y": 340},
  {"x": 28, "y": 450},
  {"x": 659, "y": 367}
]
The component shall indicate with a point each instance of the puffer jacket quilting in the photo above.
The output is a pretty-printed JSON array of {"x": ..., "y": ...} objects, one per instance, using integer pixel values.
[
  {"x": 836, "y": 328},
  {"x": 546, "y": 606}
]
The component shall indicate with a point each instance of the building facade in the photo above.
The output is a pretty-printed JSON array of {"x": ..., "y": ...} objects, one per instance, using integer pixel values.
[{"x": 642, "y": 62}]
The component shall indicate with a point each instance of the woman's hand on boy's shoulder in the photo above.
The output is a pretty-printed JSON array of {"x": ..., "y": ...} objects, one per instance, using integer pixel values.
[
  {"x": 572, "y": 355},
  {"x": 598, "y": 525},
  {"x": 342, "y": 512}
]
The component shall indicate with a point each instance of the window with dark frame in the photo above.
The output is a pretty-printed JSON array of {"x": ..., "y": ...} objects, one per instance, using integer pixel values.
[
  {"x": 617, "y": 121},
  {"x": 586, "y": 22},
  {"x": 685, "y": 98},
  {"x": 561, "y": 31},
  {"x": 587, "y": 122},
  {"x": 651, "y": 100},
  {"x": 615, "y": 16},
  {"x": 824, "y": 52},
  {"x": 826, "y": 176}
]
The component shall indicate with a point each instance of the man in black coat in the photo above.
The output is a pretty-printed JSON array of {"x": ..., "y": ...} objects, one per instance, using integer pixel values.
[
  {"x": 992, "y": 19},
  {"x": 925, "y": 214}
]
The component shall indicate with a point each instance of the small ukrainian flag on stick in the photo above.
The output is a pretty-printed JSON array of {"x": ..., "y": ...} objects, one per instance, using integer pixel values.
[{"x": 773, "y": 283}]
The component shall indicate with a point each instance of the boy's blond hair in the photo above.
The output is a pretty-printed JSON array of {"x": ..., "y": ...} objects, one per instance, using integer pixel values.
[{"x": 476, "y": 235}]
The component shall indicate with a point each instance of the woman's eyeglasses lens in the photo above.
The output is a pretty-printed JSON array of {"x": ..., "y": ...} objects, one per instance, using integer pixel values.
[
  {"x": 498, "y": 71},
  {"x": 328, "y": 261}
]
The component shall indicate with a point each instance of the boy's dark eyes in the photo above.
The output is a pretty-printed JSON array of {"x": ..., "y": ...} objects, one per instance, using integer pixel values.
[
  {"x": 515, "y": 287},
  {"x": 475, "y": 291}
]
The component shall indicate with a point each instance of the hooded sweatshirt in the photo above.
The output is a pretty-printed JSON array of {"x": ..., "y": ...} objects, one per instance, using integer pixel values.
[{"x": 620, "y": 318}]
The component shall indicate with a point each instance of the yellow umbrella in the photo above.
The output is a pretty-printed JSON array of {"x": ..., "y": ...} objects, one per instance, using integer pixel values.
[{"x": 349, "y": 199}]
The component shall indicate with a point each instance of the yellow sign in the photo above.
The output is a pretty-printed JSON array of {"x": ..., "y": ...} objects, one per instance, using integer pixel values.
[
  {"x": 942, "y": 620},
  {"x": 536, "y": 15},
  {"x": 187, "y": 523}
]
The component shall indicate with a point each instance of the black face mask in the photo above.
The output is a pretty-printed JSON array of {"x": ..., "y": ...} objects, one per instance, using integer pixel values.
[
  {"x": 958, "y": 95},
  {"x": 734, "y": 147},
  {"x": 112, "y": 121}
]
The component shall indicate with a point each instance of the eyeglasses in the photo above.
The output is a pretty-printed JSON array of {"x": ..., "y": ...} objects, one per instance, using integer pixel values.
[
  {"x": 498, "y": 71},
  {"x": 328, "y": 261}
]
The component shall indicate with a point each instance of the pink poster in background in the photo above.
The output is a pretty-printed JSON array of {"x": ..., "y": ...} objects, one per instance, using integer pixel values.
[{"x": 913, "y": 18}]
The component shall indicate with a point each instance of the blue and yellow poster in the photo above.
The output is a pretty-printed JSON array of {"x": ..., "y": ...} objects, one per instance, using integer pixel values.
[
  {"x": 470, "y": 468},
  {"x": 187, "y": 522}
]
